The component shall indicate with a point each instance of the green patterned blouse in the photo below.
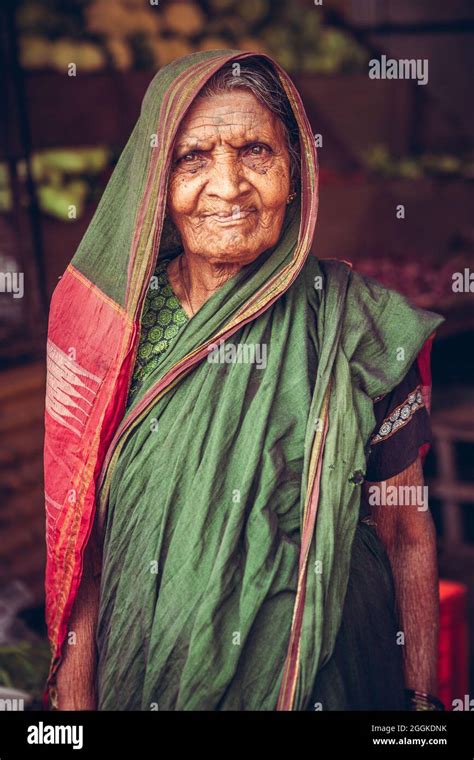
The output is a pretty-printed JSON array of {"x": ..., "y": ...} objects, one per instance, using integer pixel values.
[{"x": 162, "y": 318}]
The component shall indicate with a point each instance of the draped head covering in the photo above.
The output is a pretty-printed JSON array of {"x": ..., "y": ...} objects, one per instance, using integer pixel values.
[{"x": 93, "y": 334}]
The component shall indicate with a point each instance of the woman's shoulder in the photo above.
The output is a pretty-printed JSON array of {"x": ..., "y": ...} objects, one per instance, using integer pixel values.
[
  {"x": 336, "y": 276},
  {"x": 340, "y": 274},
  {"x": 328, "y": 268},
  {"x": 322, "y": 276},
  {"x": 378, "y": 329},
  {"x": 367, "y": 298}
]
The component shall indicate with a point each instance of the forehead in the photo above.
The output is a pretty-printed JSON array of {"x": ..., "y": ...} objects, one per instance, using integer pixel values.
[{"x": 236, "y": 111}]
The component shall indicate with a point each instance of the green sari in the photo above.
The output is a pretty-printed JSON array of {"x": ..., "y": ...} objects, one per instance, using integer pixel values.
[
  {"x": 202, "y": 539},
  {"x": 229, "y": 496}
]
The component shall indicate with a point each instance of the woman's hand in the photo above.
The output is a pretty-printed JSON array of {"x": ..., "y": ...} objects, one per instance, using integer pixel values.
[
  {"x": 75, "y": 691},
  {"x": 76, "y": 675},
  {"x": 75, "y": 679},
  {"x": 408, "y": 533}
]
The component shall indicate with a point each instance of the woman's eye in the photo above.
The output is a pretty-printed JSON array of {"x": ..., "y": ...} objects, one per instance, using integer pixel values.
[
  {"x": 188, "y": 157},
  {"x": 258, "y": 150}
]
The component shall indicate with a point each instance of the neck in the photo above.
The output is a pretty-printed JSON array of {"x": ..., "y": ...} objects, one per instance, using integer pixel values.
[{"x": 201, "y": 279}]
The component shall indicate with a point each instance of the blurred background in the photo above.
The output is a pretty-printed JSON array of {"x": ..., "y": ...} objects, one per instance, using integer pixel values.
[{"x": 385, "y": 143}]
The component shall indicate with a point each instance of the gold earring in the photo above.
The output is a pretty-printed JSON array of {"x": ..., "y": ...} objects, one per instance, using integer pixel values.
[{"x": 291, "y": 197}]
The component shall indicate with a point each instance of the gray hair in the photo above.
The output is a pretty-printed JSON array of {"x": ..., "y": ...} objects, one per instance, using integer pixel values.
[{"x": 256, "y": 75}]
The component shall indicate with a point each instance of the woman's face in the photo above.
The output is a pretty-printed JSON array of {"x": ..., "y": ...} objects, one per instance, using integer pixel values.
[{"x": 230, "y": 178}]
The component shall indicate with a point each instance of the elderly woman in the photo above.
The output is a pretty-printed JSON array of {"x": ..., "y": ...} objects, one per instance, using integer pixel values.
[{"x": 225, "y": 416}]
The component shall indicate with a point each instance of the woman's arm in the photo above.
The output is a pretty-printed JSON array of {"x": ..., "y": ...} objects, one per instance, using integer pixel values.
[
  {"x": 409, "y": 536},
  {"x": 76, "y": 678}
]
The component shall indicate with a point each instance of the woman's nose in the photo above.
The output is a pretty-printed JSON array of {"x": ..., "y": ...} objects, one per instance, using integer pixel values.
[{"x": 226, "y": 179}]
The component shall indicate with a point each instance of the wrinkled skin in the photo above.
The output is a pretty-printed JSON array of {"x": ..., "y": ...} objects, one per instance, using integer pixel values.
[{"x": 228, "y": 190}]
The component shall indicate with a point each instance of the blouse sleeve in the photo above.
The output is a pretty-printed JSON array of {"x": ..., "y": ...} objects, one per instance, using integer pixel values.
[{"x": 402, "y": 428}]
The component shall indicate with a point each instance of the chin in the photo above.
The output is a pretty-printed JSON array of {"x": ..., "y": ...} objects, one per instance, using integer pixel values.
[
  {"x": 233, "y": 250},
  {"x": 227, "y": 255}
]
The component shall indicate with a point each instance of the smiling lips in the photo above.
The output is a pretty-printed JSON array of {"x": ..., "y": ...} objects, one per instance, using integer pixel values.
[{"x": 222, "y": 217}]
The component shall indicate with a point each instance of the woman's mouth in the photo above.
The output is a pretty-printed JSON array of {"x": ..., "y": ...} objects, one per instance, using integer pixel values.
[{"x": 226, "y": 219}]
